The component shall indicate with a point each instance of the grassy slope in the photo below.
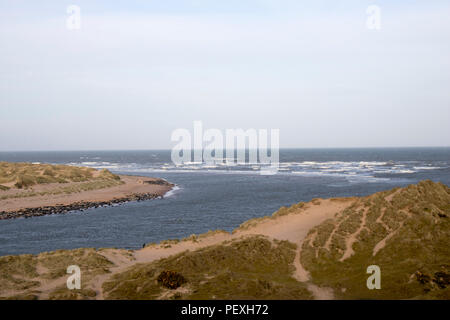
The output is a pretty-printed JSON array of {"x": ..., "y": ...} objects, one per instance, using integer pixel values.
[
  {"x": 252, "y": 268},
  {"x": 26, "y": 176},
  {"x": 19, "y": 272},
  {"x": 418, "y": 220}
]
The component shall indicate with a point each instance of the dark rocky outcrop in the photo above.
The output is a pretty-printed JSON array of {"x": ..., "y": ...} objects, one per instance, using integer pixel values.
[{"x": 159, "y": 182}]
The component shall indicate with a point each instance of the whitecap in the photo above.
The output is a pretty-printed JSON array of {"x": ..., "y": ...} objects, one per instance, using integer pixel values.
[{"x": 172, "y": 191}]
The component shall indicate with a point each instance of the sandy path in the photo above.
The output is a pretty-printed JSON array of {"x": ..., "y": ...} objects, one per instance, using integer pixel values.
[
  {"x": 380, "y": 245},
  {"x": 380, "y": 220},
  {"x": 121, "y": 262},
  {"x": 353, "y": 237}
]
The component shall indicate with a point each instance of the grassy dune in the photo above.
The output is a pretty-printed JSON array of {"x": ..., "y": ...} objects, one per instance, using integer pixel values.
[
  {"x": 21, "y": 273},
  {"x": 252, "y": 268},
  {"x": 413, "y": 223},
  {"x": 25, "y": 175},
  {"x": 15, "y": 177}
]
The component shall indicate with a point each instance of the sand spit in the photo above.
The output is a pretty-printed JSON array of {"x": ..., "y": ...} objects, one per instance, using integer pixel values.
[{"x": 43, "y": 200}]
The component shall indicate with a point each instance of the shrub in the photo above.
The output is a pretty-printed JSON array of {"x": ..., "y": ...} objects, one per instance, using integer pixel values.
[
  {"x": 24, "y": 182},
  {"x": 171, "y": 279},
  {"x": 442, "y": 279},
  {"x": 106, "y": 174},
  {"x": 49, "y": 172},
  {"x": 42, "y": 180}
]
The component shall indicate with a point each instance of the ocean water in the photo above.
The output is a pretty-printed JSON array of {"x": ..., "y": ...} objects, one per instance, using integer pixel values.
[{"x": 212, "y": 197}]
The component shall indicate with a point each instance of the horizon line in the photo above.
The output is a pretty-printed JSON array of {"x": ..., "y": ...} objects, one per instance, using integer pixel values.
[{"x": 285, "y": 148}]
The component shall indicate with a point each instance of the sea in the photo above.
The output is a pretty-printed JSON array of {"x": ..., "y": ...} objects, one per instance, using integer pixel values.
[{"x": 209, "y": 197}]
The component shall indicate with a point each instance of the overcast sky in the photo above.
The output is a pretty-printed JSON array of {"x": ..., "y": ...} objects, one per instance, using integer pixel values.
[{"x": 137, "y": 70}]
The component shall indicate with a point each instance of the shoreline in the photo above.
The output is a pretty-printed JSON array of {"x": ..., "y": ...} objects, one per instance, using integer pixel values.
[{"x": 134, "y": 188}]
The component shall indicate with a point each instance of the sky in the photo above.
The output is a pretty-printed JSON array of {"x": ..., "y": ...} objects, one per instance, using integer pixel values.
[{"x": 135, "y": 71}]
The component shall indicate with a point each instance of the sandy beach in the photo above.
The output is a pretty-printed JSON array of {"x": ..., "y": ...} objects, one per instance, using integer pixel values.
[{"x": 132, "y": 188}]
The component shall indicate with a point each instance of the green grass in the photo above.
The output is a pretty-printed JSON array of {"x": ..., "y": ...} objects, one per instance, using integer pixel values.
[
  {"x": 26, "y": 175},
  {"x": 250, "y": 268},
  {"x": 62, "y": 293},
  {"x": 85, "y": 186},
  {"x": 421, "y": 243},
  {"x": 18, "y": 272},
  {"x": 91, "y": 262}
]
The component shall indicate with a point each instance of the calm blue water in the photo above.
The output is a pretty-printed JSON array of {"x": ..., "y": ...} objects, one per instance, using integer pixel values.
[{"x": 212, "y": 197}]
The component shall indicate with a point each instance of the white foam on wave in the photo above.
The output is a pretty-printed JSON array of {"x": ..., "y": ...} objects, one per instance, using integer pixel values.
[
  {"x": 352, "y": 177},
  {"x": 406, "y": 171},
  {"x": 90, "y": 163},
  {"x": 334, "y": 170},
  {"x": 353, "y": 171},
  {"x": 172, "y": 191},
  {"x": 368, "y": 179},
  {"x": 318, "y": 173},
  {"x": 307, "y": 163},
  {"x": 372, "y": 163},
  {"x": 103, "y": 165}
]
